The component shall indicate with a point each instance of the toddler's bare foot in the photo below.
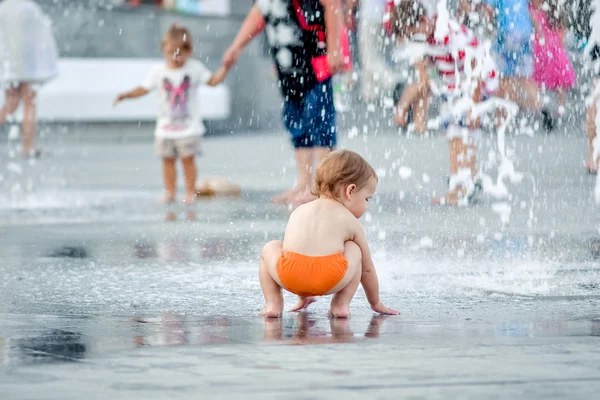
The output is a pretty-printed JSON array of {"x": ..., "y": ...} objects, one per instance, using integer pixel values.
[
  {"x": 340, "y": 311},
  {"x": 272, "y": 310},
  {"x": 168, "y": 199},
  {"x": 303, "y": 303},
  {"x": 190, "y": 198},
  {"x": 591, "y": 167}
]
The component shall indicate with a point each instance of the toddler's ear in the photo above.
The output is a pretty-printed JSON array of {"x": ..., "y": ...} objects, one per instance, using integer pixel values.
[{"x": 350, "y": 189}]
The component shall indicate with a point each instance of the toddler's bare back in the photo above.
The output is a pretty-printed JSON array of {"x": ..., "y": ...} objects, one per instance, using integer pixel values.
[{"x": 319, "y": 228}]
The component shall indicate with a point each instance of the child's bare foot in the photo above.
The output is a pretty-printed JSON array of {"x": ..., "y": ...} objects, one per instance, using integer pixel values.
[
  {"x": 168, "y": 199},
  {"x": 591, "y": 167},
  {"x": 272, "y": 310},
  {"x": 190, "y": 198},
  {"x": 340, "y": 311},
  {"x": 303, "y": 303}
]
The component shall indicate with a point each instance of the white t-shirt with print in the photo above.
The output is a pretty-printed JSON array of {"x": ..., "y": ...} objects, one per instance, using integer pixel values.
[{"x": 177, "y": 89}]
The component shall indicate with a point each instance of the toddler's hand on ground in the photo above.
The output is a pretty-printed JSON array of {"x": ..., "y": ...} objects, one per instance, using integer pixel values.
[{"x": 381, "y": 309}]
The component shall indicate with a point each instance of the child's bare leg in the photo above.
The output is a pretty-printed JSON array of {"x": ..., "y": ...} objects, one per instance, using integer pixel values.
[
  {"x": 421, "y": 112},
  {"x": 12, "y": 98},
  {"x": 462, "y": 156},
  {"x": 189, "y": 172},
  {"x": 592, "y": 164},
  {"x": 170, "y": 178},
  {"x": 28, "y": 126},
  {"x": 345, "y": 290},
  {"x": 407, "y": 100},
  {"x": 269, "y": 280},
  {"x": 403, "y": 106}
]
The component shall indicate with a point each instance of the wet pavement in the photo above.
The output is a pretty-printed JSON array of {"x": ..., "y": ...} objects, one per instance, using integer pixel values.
[{"x": 100, "y": 297}]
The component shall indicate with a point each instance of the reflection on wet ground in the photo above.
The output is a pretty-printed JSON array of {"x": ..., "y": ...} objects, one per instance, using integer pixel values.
[{"x": 36, "y": 339}]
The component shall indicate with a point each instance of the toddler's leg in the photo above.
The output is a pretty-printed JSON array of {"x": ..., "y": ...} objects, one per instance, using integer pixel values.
[
  {"x": 190, "y": 172},
  {"x": 28, "y": 126},
  {"x": 269, "y": 280},
  {"x": 11, "y": 104},
  {"x": 345, "y": 290},
  {"x": 170, "y": 178}
]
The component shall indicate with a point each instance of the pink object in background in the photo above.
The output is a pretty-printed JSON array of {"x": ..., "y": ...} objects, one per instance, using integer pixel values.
[
  {"x": 552, "y": 66},
  {"x": 321, "y": 65}
]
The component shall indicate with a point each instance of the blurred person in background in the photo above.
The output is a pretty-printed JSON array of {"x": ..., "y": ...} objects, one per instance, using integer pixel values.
[
  {"x": 552, "y": 67},
  {"x": 28, "y": 59},
  {"x": 377, "y": 77},
  {"x": 514, "y": 55}
]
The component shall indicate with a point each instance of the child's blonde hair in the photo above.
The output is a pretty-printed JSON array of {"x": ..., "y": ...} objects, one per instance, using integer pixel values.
[
  {"x": 340, "y": 169},
  {"x": 181, "y": 36}
]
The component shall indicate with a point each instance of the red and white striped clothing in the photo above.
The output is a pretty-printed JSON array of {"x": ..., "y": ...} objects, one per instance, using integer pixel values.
[{"x": 450, "y": 53}]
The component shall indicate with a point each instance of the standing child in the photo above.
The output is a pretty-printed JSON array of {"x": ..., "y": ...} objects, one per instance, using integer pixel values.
[
  {"x": 325, "y": 250},
  {"x": 300, "y": 33},
  {"x": 552, "y": 67},
  {"x": 450, "y": 43},
  {"x": 28, "y": 59},
  {"x": 178, "y": 127},
  {"x": 514, "y": 55}
]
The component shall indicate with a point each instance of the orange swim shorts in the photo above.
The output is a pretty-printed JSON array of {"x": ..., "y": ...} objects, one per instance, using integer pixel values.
[{"x": 311, "y": 276}]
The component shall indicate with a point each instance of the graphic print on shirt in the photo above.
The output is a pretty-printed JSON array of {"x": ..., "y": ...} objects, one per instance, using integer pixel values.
[{"x": 177, "y": 100}]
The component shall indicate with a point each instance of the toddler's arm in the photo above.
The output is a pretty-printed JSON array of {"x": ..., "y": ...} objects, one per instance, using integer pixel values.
[
  {"x": 132, "y": 94},
  {"x": 369, "y": 279},
  {"x": 252, "y": 26},
  {"x": 218, "y": 77}
]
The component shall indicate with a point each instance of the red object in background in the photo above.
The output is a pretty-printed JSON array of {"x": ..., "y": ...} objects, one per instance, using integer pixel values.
[
  {"x": 387, "y": 23},
  {"x": 321, "y": 65}
]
